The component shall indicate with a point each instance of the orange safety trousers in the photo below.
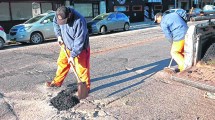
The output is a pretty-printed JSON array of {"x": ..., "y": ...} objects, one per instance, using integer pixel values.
[
  {"x": 177, "y": 53},
  {"x": 81, "y": 63}
]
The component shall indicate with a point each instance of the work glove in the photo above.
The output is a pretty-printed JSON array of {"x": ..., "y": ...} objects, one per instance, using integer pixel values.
[
  {"x": 59, "y": 39},
  {"x": 71, "y": 60}
]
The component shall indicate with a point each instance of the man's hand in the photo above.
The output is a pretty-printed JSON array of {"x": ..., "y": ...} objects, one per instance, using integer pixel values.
[
  {"x": 59, "y": 39},
  {"x": 71, "y": 60}
]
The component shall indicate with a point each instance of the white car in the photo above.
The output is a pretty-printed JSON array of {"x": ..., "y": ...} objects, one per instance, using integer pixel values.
[
  {"x": 35, "y": 30},
  {"x": 3, "y": 37}
]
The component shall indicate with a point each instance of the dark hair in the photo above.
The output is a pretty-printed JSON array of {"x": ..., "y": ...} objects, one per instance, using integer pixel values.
[{"x": 63, "y": 12}]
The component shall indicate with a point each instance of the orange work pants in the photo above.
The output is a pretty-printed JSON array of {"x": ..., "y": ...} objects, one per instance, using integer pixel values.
[
  {"x": 177, "y": 53},
  {"x": 81, "y": 63}
]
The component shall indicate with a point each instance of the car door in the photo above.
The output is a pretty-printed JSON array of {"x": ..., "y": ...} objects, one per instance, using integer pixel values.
[
  {"x": 111, "y": 22},
  {"x": 120, "y": 21},
  {"x": 48, "y": 29}
]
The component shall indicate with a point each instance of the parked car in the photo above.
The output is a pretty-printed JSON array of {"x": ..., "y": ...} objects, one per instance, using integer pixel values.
[
  {"x": 106, "y": 22},
  {"x": 209, "y": 9},
  {"x": 172, "y": 10},
  {"x": 34, "y": 30},
  {"x": 3, "y": 37},
  {"x": 193, "y": 12}
]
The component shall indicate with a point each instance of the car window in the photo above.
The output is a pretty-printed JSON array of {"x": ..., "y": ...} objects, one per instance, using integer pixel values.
[
  {"x": 111, "y": 16},
  {"x": 119, "y": 16},
  {"x": 34, "y": 19},
  {"x": 172, "y": 11},
  {"x": 100, "y": 17},
  {"x": 124, "y": 15},
  {"x": 50, "y": 18}
]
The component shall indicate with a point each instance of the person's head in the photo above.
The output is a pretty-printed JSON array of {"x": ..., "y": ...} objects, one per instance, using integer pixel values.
[
  {"x": 158, "y": 17},
  {"x": 63, "y": 14}
]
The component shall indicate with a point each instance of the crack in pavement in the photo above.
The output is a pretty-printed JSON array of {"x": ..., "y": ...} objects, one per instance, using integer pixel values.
[{"x": 6, "y": 110}]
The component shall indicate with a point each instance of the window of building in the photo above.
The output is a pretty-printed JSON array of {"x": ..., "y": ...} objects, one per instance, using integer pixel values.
[
  {"x": 158, "y": 7},
  {"x": 137, "y": 8},
  {"x": 45, "y": 7},
  {"x": 121, "y": 8},
  {"x": 95, "y": 10},
  {"x": 21, "y": 11},
  {"x": 4, "y": 11},
  {"x": 171, "y": 6},
  {"x": 84, "y": 9}
]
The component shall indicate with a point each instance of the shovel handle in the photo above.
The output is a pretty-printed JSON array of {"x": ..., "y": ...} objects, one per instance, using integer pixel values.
[
  {"x": 71, "y": 64},
  {"x": 170, "y": 63}
]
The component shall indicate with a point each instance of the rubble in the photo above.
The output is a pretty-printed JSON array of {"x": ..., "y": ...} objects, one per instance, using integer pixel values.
[
  {"x": 65, "y": 99},
  {"x": 209, "y": 57}
]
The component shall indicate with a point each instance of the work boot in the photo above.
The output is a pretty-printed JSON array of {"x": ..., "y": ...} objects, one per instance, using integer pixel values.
[{"x": 52, "y": 84}]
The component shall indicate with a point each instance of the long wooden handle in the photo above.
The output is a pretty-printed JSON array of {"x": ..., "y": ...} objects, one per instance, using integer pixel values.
[{"x": 71, "y": 64}]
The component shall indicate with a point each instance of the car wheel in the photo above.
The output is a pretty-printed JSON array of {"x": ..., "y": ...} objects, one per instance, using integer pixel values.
[
  {"x": 103, "y": 30},
  {"x": 126, "y": 27},
  {"x": 36, "y": 38},
  {"x": 1, "y": 43}
]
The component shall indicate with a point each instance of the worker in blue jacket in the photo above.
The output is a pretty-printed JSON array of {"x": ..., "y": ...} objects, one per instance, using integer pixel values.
[
  {"x": 174, "y": 28},
  {"x": 71, "y": 30}
]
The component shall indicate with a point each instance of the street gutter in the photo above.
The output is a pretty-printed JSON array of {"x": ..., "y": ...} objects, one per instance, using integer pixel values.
[{"x": 192, "y": 83}]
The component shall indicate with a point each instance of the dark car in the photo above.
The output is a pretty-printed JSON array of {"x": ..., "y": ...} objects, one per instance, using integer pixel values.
[{"x": 106, "y": 22}]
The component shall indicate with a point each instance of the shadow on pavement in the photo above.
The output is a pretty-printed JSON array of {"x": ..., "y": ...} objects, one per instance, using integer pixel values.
[{"x": 154, "y": 68}]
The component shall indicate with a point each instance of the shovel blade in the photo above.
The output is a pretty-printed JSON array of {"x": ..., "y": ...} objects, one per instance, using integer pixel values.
[{"x": 82, "y": 90}]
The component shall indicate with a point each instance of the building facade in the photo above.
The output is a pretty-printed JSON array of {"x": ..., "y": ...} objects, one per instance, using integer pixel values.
[
  {"x": 88, "y": 8},
  {"x": 13, "y": 12},
  {"x": 132, "y": 8}
]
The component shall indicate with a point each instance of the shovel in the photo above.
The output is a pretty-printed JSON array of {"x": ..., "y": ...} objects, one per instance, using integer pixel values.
[
  {"x": 82, "y": 87},
  {"x": 169, "y": 69}
]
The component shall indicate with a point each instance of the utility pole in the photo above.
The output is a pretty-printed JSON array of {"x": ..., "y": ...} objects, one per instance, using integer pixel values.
[{"x": 175, "y": 3}]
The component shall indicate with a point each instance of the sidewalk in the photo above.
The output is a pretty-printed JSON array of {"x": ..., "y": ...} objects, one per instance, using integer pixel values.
[{"x": 140, "y": 25}]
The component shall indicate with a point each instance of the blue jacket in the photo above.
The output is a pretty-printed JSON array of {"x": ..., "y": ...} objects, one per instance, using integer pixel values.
[
  {"x": 74, "y": 33},
  {"x": 174, "y": 27}
]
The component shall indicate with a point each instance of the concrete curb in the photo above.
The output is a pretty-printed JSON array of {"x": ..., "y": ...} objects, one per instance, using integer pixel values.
[
  {"x": 6, "y": 112},
  {"x": 195, "y": 84}
]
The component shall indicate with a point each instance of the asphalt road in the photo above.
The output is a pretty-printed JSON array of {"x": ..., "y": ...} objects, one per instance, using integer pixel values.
[{"x": 122, "y": 63}]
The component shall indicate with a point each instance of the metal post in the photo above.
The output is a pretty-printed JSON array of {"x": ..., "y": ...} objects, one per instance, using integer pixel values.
[{"x": 175, "y": 3}]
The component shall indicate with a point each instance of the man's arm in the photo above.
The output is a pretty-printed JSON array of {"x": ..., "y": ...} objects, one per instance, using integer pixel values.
[
  {"x": 57, "y": 31},
  {"x": 56, "y": 27},
  {"x": 80, "y": 37},
  {"x": 167, "y": 32}
]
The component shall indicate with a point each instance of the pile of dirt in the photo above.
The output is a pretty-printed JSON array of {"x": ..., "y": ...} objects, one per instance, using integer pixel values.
[
  {"x": 65, "y": 99},
  {"x": 209, "y": 57}
]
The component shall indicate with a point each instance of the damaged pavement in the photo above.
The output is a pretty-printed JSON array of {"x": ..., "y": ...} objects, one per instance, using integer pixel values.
[{"x": 125, "y": 82}]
